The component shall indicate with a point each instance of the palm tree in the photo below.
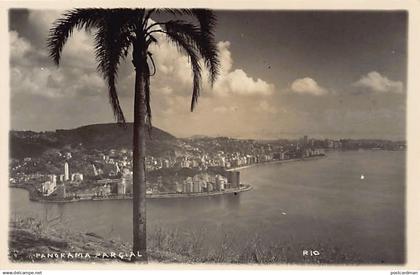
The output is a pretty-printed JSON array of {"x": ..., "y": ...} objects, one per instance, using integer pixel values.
[{"x": 116, "y": 32}]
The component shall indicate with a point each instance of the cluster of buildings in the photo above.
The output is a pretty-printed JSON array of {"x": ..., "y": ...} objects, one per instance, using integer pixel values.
[
  {"x": 247, "y": 153},
  {"x": 118, "y": 180},
  {"x": 106, "y": 173},
  {"x": 222, "y": 159},
  {"x": 199, "y": 161},
  {"x": 204, "y": 182},
  {"x": 55, "y": 183}
]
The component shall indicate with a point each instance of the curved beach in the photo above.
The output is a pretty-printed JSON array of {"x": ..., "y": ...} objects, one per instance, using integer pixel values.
[{"x": 34, "y": 197}]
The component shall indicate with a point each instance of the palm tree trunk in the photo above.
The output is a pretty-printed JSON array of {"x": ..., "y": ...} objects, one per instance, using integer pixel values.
[{"x": 139, "y": 154}]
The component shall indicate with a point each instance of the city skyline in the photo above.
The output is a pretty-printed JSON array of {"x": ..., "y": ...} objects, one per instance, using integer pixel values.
[
  {"x": 323, "y": 74},
  {"x": 285, "y": 136}
]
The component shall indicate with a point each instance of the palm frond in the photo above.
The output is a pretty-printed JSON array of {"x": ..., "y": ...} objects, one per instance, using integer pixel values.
[
  {"x": 147, "y": 15},
  {"x": 114, "y": 37},
  {"x": 112, "y": 41},
  {"x": 63, "y": 28},
  {"x": 205, "y": 17},
  {"x": 207, "y": 21},
  {"x": 149, "y": 54},
  {"x": 151, "y": 39},
  {"x": 190, "y": 50},
  {"x": 202, "y": 41}
]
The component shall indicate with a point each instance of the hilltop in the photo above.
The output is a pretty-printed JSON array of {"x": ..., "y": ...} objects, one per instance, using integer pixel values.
[{"x": 96, "y": 136}]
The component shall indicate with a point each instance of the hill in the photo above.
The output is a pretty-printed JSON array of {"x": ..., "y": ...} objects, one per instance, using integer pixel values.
[{"x": 96, "y": 136}]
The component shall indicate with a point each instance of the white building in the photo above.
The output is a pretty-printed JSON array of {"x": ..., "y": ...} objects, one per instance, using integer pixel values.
[
  {"x": 220, "y": 182},
  {"x": 53, "y": 178},
  {"x": 76, "y": 177},
  {"x": 66, "y": 172},
  {"x": 48, "y": 187}
]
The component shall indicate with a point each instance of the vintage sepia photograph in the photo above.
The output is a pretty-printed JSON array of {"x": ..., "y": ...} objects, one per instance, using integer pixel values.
[{"x": 207, "y": 136}]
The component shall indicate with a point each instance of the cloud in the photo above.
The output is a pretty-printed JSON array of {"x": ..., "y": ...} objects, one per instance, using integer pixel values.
[
  {"x": 76, "y": 84},
  {"x": 225, "y": 57},
  {"x": 166, "y": 90},
  {"x": 240, "y": 104},
  {"x": 33, "y": 72},
  {"x": 237, "y": 81},
  {"x": 174, "y": 75},
  {"x": 18, "y": 46},
  {"x": 264, "y": 106},
  {"x": 174, "y": 70},
  {"x": 307, "y": 86},
  {"x": 224, "y": 109},
  {"x": 40, "y": 22},
  {"x": 375, "y": 82}
]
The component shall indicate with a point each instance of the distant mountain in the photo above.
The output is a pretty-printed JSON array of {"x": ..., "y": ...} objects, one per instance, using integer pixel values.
[
  {"x": 198, "y": 137},
  {"x": 96, "y": 136}
]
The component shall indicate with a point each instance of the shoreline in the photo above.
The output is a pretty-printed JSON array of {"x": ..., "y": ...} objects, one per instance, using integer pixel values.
[
  {"x": 33, "y": 197},
  {"x": 275, "y": 162}
]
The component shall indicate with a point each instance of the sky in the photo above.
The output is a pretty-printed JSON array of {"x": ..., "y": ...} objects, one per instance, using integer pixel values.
[{"x": 284, "y": 74}]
